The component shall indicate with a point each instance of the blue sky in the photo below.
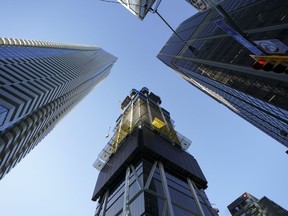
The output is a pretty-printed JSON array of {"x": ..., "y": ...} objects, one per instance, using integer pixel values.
[{"x": 57, "y": 177}]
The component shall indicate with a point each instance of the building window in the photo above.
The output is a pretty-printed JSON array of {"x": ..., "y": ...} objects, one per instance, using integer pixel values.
[{"x": 3, "y": 114}]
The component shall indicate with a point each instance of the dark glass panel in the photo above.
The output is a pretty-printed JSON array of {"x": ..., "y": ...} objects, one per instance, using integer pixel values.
[
  {"x": 116, "y": 206},
  {"x": 156, "y": 186},
  {"x": 182, "y": 199},
  {"x": 137, "y": 206},
  {"x": 153, "y": 204},
  {"x": 133, "y": 190},
  {"x": 206, "y": 210},
  {"x": 172, "y": 48},
  {"x": 181, "y": 212},
  {"x": 192, "y": 21}
]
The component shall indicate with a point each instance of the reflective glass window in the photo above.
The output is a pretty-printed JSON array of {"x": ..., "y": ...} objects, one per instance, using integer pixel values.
[
  {"x": 137, "y": 206},
  {"x": 3, "y": 114},
  {"x": 153, "y": 205},
  {"x": 181, "y": 212}
]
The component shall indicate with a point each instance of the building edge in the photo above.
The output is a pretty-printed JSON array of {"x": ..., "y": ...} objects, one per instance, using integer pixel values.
[{"x": 6, "y": 41}]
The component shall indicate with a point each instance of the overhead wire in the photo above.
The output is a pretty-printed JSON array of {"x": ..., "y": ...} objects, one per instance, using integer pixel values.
[
  {"x": 116, "y": 2},
  {"x": 108, "y": 1}
]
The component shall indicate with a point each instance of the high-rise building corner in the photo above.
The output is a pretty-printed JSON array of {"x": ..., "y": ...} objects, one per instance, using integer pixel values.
[
  {"x": 40, "y": 82},
  {"x": 223, "y": 68}
]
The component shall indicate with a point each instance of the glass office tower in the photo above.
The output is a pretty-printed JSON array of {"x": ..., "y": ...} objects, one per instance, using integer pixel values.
[
  {"x": 223, "y": 70},
  {"x": 249, "y": 205},
  {"x": 145, "y": 169},
  {"x": 40, "y": 82}
]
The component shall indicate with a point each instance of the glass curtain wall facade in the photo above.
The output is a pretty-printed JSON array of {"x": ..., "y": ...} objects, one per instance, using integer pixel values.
[
  {"x": 223, "y": 67},
  {"x": 145, "y": 169},
  {"x": 40, "y": 82},
  {"x": 143, "y": 196}
]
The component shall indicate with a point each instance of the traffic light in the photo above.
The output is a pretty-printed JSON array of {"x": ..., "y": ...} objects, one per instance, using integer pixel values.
[
  {"x": 277, "y": 64},
  {"x": 258, "y": 65}
]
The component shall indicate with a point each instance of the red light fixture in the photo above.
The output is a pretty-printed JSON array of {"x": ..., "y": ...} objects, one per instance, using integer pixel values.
[
  {"x": 262, "y": 62},
  {"x": 258, "y": 65},
  {"x": 270, "y": 66}
]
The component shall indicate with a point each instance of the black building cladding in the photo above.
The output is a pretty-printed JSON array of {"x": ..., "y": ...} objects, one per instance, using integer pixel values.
[
  {"x": 144, "y": 169},
  {"x": 222, "y": 69},
  {"x": 40, "y": 82},
  {"x": 249, "y": 205},
  {"x": 146, "y": 144}
]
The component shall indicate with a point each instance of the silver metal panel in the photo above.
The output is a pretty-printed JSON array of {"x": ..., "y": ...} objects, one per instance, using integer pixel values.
[
  {"x": 98, "y": 164},
  {"x": 104, "y": 155},
  {"x": 109, "y": 149}
]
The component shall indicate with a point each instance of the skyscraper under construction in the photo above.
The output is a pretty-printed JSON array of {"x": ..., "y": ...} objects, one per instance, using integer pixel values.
[
  {"x": 145, "y": 169},
  {"x": 40, "y": 82}
]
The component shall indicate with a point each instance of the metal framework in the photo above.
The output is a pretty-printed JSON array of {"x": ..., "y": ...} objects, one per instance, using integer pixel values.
[{"x": 167, "y": 207}]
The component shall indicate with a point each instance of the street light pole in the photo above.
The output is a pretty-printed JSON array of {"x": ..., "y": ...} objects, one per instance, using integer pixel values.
[{"x": 194, "y": 50}]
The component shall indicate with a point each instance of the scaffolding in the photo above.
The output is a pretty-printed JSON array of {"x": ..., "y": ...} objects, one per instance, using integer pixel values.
[{"x": 141, "y": 109}]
